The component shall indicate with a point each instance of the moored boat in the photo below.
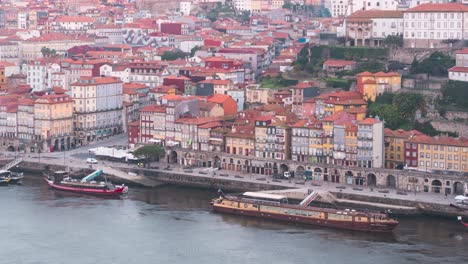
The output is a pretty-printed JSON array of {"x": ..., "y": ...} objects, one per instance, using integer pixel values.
[
  {"x": 463, "y": 223},
  {"x": 4, "y": 181},
  {"x": 276, "y": 207},
  {"x": 59, "y": 180},
  {"x": 14, "y": 177},
  {"x": 461, "y": 202}
]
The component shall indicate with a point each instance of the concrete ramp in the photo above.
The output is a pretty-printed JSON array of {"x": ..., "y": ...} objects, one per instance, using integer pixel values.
[
  {"x": 137, "y": 179},
  {"x": 12, "y": 163},
  {"x": 310, "y": 198}
]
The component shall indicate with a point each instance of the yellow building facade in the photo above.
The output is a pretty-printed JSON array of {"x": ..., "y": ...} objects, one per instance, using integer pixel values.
[{"x": 53, "y": 115}]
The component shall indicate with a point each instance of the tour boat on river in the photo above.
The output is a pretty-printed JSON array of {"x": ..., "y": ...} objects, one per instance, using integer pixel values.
[
  {"x": 276, "y": 207},
  {"x": 61, "y": 181}
]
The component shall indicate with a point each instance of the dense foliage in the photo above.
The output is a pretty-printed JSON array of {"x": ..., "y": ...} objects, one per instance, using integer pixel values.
[
  {"x": 437, "y": 64},
  {"x": 276, "y": 82},
  {"x": 173, "y": 55},
  {"x": 393, "y": 41},
  {"x": 398, "y": 110},
  {"x": 311, "y": 58},
  {"x": 455, "y": 93},
  {"x": 150, "y": 153},
  {"x": 338, "y": 83},
  {"x": 46, "y": 52}
]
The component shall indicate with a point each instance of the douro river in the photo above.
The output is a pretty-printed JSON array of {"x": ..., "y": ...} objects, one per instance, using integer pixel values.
[{"x": 175, "y": 225}]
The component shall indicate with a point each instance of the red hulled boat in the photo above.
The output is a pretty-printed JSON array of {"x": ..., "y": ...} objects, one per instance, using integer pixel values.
[
  {"x": 59, "y": 180},
  {"x": 275, "y": 207},
  {"x": 463, "y": 223}
]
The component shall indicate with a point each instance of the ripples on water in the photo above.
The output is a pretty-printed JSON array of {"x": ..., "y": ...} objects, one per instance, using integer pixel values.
[{"x": 175, "y": 225}]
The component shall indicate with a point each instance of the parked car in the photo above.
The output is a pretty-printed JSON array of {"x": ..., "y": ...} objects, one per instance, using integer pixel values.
[
  {"x": 91, "y": 161},
  {"x": 287, "y": 175}
]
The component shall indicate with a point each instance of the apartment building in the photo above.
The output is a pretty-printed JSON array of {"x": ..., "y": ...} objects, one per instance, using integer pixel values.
[
  {"x": 435, "y": 25},
  {"x": 370, "y": 143},
  {"x": 97, "y": 104}
]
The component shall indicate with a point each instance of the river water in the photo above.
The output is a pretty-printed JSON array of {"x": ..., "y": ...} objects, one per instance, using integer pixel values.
[{"x": 175, "y": 225}]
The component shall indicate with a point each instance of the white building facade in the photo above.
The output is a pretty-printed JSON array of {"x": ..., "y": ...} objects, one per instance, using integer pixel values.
[
  {"x": 97, "y": 104},
  {"x": 435, "y": 25},
  {"x": 460, "y": 71},
  {"x": 370, "y": 143},
  {"x": 347, "y": 7}
]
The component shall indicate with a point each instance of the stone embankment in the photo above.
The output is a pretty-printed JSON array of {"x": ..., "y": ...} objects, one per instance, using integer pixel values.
[{"x": 339, "y": 195}]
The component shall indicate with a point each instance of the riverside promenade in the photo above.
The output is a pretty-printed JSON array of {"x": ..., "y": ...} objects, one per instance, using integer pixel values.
[{"x": 338, "y": 194}]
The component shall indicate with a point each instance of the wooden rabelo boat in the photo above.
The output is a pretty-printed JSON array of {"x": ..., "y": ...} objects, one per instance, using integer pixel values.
[
  {"x": 59, "y": 180},
  {"x": 276, "y": 207}
]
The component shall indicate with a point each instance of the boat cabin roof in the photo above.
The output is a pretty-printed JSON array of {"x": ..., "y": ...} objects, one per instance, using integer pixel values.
[{"x": 264, "y": 196}]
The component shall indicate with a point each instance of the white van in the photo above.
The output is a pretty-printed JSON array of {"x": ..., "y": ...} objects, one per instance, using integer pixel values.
[{"x": 287, "y": 174}]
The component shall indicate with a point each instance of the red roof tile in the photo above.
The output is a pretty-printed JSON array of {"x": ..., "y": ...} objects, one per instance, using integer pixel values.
[
  {"x": 447, "y": 7},
  {"x": 339, "y": 63},
  {"x": 458, "y": 69},
  {"x": 154, "y": 108}
]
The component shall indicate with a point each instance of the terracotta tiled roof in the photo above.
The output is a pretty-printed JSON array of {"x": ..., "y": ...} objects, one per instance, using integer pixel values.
[
  {"x": 366, "y": 14},
  {"x": 154, "y": 108},
  {"x": 134, "y": 85},
  {"x": 368, "y": 121},
  {"x": 462, "y": 51},
  {"x": 219, "y": 98},
  {"x": 458, "y": 69},
  {"x": 447, "y": 7},
  {"x": 445, "y": 141},
  {"x": 400, "y": 133},
  {"x": 53, "y": 98},
  {"x": 73, "y": 19},
  {"x": 339, "y": 63},
  {"x": 25, "y": 101},
  {"x": 386, "y": 74}
]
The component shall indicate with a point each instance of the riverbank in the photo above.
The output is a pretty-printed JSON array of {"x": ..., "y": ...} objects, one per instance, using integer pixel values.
[{"x": 339, "y": 195}]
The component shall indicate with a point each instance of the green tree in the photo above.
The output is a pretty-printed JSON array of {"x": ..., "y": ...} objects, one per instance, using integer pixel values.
[
  {"x": 393, "y": 41},
  {"x": 287, "y": 4},
  {"x": 437, "y": 64},
  {"x": 245, "y": 16},
  {"x": 150, "y": 153},
  {"x": 46, "y": 52},
  {"x": 324, "y": 12},
  {"x": 370, "y": 66},
  {"x": 389, "y": 113},
  {"x": 408, "y": 103},
  {"x": 173, "y": 55},
  {"x": 455, "y": 93},
  {"x": 194, "y": 50}
]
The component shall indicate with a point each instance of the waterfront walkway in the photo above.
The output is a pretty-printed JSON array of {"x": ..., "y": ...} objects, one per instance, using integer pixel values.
[{"x": 301, "y": 187}]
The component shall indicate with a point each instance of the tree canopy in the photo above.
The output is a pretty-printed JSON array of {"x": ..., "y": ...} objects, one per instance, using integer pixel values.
[
  {"x": 173, "y": 55},
  {"x": 150, "y": 153},
  {"x": 408, "y": 103},
  {"x": 46, "y": 52},
  {"x": 393, "y": 41},
  {"x": 194, "y": 50},
  {"x": 389, "y": 113},
  {"x": 455, "y": 93},
  {"x": 398, "y": 110},
  {"x": 437, "y": 64}
]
